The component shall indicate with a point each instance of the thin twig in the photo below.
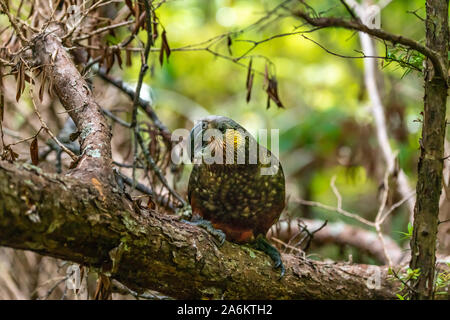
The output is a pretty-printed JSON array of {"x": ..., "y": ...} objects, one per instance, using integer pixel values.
[
  {"x": 104, "y": 29},
  {"x": 335, "y": 209},
  {"x": 143, "y": 71},
  {"x": 122, "y": 289}
]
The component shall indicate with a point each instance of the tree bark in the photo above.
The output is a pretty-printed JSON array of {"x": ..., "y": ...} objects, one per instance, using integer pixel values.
[
  {"x": 429, "y": 184},
  {"x": 68, "y": 219},
  {"x": 76, "y": 97}
]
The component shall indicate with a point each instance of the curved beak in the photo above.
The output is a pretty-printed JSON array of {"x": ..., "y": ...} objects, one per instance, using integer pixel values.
[{"x": 196, "y": 140}]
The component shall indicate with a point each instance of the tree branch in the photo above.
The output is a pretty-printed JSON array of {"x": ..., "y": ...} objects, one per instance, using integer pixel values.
[
  {"x": 76, "y": 97},
  {"x": 370, "y": 71},
  {"x": 89, "y": 225},
  {"x": 339, "y": 233}
]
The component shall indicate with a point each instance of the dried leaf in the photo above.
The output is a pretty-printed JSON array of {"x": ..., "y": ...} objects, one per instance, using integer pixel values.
[
  {"x": 249, "y": 82},
  {"x": 249, "y": 87},
  {"x": 272, "y": 92},
  {"x": 2, "y": 106},
  {"x": 34, "y": 151},
  {"x": 266, "y": 76},
  {"x": 154, "y": 146},
  {"x": 42, "y": 87},
  {"x": 128, "y": 58},
  {"x": 165, "y": 49},
  {"x": 9, "y": 154},
  {"x": 161, "y": 54},
  {"x": 271, "y": 87},
  {"x": 2, "y": 98},
  {"x": 137, "y": 13},
  {"x": 151, "y": 204},
  {"x": 20, "y": 81},
  {"x": 74, "y": 135},
  {"x": 155, "y": 26},
  {"x": 1, "y": 76},
  {"x": 74, "y": 163},
  {"x": 50, "y": 87},
  {"x": 129, "y": 5},
  {"x": 24, "y": 77},
  {"x": 110, "y": 58},
  {"x": 112, "y": 33},
  {"x": 103, "y": 289},
  {"x": 229, "y": 43},
  {"x": 119, "y": 57}
]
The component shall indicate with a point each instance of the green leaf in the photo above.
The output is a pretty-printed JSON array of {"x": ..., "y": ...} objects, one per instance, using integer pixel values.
[
  {"x": 112, "y": 40},
  {"x": 410, "y": 228}
]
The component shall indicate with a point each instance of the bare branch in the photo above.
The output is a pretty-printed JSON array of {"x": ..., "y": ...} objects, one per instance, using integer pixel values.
[
  {"x": 341, "y": 234},
  {"x": 338, "y": 210}
]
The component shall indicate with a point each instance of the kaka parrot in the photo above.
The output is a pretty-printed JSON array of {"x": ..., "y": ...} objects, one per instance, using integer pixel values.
[{"x": 236, "y": 187}]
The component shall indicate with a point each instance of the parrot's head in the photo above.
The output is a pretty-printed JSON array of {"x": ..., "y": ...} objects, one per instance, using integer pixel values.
[{"x": 213, "y": 136}]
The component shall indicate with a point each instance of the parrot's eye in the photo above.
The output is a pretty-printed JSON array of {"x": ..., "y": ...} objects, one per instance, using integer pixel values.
[
  {"x": 204, "y": 125},
  {"x": 222, "y": 127}
]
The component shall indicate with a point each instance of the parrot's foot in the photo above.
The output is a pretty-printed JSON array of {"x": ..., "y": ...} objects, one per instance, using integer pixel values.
[
  {"x": 261, "y": 243},
  {"x": 219, "y": 235}
]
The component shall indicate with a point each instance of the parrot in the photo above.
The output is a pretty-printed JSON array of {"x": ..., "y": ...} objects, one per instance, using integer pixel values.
[{"x": 236, "y": 188}]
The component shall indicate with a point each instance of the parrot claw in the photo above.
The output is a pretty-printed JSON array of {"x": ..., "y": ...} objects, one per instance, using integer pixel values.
[
  {"x": 261, "y": 243},
  {"x": 219, "y": 235}
]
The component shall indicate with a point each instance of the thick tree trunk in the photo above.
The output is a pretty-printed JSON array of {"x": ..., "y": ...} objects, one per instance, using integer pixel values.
[{"x": 429, "y": 184}]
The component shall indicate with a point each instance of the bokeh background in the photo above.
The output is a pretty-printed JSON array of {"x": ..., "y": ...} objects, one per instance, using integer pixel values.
[{"x": 326, "y": 126}]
